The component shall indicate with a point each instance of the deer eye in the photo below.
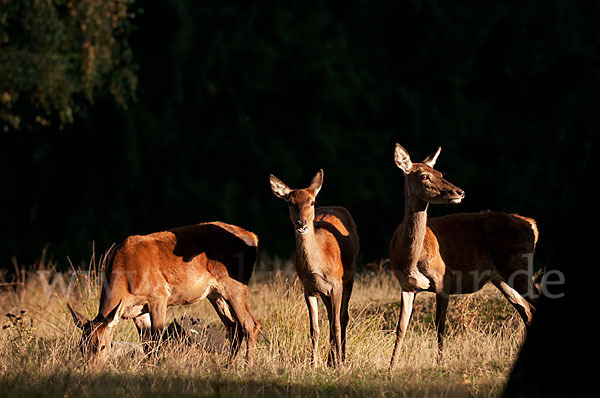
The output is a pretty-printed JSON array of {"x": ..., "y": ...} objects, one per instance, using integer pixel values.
[
  {"x": 102, "y": 348},
  {"x": 424, "y": 177},
  {"x": 312, "y": 203}
]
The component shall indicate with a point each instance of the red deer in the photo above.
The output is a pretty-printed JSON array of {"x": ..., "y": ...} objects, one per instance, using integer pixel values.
[
  {"x": 326, "y": 248},
  {"x": 147, "y": 274},
  {"x": 455, "y": 254}
]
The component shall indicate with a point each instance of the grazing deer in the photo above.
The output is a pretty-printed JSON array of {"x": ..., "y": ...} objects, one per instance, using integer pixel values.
[
  {"x": 455, "y": 254},
  {"x": 146, "y": 274},
  {"x": 326, "y": 248}
]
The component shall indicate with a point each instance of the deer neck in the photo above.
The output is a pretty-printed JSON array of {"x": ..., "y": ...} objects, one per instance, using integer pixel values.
[
  {"x": 111, "y": 286},
  {"x": 414, "y": 227},
  {"x": 308, "y": 250}
]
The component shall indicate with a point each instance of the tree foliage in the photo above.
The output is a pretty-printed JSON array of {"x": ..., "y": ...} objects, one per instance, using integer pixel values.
[{"x": 57, "y": 56}]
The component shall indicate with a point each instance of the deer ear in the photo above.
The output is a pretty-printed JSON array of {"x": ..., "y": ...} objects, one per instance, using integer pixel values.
[
  {"x": 113, "y": 317},
  {"x": 80, "y": 320},
  {"x": 431, "y": 159},
  {"x": 317, "y": 182},
  {"x": 279, "y": 188},
  {"x": 402, "y": 159}
]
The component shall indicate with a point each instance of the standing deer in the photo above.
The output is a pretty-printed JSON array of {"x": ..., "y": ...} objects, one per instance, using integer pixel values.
[
  {"x": 455, "y": 254},
  {"x": 326, "y": 248},
  {"x": 147, "y": 274}
]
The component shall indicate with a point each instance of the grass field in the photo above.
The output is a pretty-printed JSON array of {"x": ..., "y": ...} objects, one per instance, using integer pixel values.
[{"x": 39, "y": 355}]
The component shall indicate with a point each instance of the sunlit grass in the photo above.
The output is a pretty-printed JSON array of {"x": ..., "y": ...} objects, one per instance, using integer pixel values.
[{"x": 38, "y": 352}]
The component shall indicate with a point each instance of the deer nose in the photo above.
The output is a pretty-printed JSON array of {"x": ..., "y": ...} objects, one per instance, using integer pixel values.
[
  {"x": 300, "y": 222},
  {"x": 460, "y": 193}
]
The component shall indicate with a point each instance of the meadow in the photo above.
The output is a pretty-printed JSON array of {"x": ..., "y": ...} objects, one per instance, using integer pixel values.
[{"x": 39, "y": 354}]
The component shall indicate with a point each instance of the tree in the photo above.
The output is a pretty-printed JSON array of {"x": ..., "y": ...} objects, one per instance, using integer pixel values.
[{"x": 57, "y": 56}]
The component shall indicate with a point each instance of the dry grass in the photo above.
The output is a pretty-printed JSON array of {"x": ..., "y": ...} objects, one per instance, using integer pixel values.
[{"x": 38, "y": 354}]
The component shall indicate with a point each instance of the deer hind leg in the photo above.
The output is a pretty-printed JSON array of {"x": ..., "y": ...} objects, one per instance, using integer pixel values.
[
  {"x": 523, "y": 307},
  {"x": 333, "y": 304},
  {"x": 346, "y": 293},
  {"x": 441, "y": 306},
  {"x": 516, "y": 284},
  {"x": 406, "y": 307},
  {"x": 246, "y": 325},
  {"x": 234, "y": 332}
]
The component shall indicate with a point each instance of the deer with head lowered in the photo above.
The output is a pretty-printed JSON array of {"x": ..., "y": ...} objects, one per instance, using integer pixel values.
[
  {"x": 455, "y": 254},
  {"x": 326, "y": 248},
  {"x": 146, "y": 274}
]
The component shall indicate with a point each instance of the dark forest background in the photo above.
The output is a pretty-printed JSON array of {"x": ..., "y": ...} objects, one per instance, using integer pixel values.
[
  {"x": 128, "y": 117},
  {"x": 213, "y": 96}
]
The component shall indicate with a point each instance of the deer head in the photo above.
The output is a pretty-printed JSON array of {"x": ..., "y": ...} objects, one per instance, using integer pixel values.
[
  {"x": 301, "y": 202},
  {"x": 424, "y": 183},
  {"x": 95, "y": 342}
]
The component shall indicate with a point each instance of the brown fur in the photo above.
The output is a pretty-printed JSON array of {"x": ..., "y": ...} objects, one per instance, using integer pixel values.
[
  {"x": 471, "y": 243},
  {"x": 458, "y": 253},
  {"x": 180, "y": 266},
  {"x": 336, "y": 239},
  {"x": 327, "y": 245}
]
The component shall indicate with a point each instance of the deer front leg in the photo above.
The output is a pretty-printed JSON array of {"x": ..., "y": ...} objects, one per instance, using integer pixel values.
[
  {"x": 158, "y": 313},
  {"x": 406, "y": 307},
  {"x": 441, "y": 306},
  {"x": 144, "y": 328},
  {"x": 313, "y": 313}
]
